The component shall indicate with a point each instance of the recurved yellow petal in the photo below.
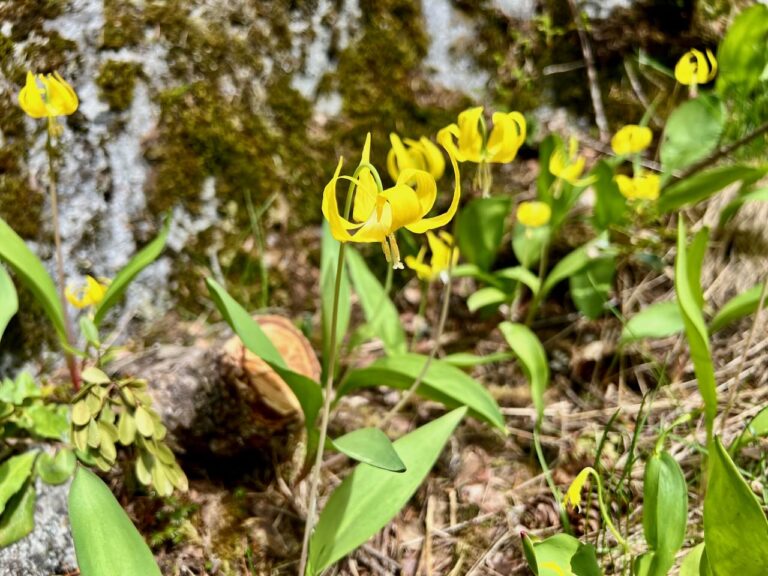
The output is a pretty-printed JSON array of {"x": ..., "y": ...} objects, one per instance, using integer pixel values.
[
  {"x": 507, "y": 135},
  {"x": 441, "y": 220},
  {"x": 432, "y": 157},
  {"x": 631, "y": 139},
  {"x": 534, "y": 214},
  {"x": 89, "y": 295},
  {"x": 643, "y": 186},
  {"x": 694, "y": 68},
  {"x": 53, "y": 96},
  {"x": 470, "y": 136},
  {"x": 417, "y": 264}
]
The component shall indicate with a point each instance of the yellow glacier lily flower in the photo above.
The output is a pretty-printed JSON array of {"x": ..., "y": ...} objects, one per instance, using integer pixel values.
[
  {"x": 377, "y": 214},
  {"x": 89, "y": 295},
  {"x": 54, "y": 98},
  {"x": 534, "y": 214},
  {"x": 570, "y": 167},
  {"x": 421, "y": 154},
  {"x": 441, "y": 257},
  {"x": 573, "y": 495},
  {"x": 694, "y": 69},
  {"x": 467, "y": 141},
  {"x": 631, "y": 139},
  {"x": 643, "y": 186}
]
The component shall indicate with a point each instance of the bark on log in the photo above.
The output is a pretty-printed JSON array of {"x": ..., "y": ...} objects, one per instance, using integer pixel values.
[{"x": 222, "y": 400}]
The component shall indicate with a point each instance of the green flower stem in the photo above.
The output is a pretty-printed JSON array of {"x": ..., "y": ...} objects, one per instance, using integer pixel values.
[
  {"x": 604, "y": 512},
  {"x": 556, "y": 494},
  {"x": 314, "y": 482},
  {"x": 424, "y": 285},
  {"x": 536, "y": 302},
  {"x": 438, "y": 335},
  {"x": 74, "y": 371}
]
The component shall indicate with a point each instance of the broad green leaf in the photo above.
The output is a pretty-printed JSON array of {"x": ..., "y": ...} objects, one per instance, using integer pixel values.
[
  {"x": 642, "y": 564},
  {"x": 735, "y": 528},
  {"x": 742, "y": 55},
  {"x": 591, "y": 288},
  {"x": 757, "y": 428},
  {"x": 371, "y": 446},
  {"x": 528, "y": 243},
  {"x": 329, "y": 259},
  {"x": 737, "y": 308},
  {"x": 692, "y": 561},
  {"x": 48, "y": 420},
  {"x": 692, "y": 132},
  {"x": 702, "y": 185},
  {"x": 610, "y": 206},
  {"x": 486, "y": 297},
  {"x": 13, "y": 474},
  {"x": 9, "y": 301},
  {"x": 469, "y": 360},
  {"x": 696, "y": 252},
  {"x": 563, "y": 554},
  {"x": 106, "y": 542},
  {"x": 120, "y": 283},
  {"x": 574, "y": 262},
  {"x": 370, "y": 497},
  {"x": 759, "y": 195},
  {"x": 307, "y": 391},
  {"x": 530, "y": 553},
  {"x": 29, "y": 269},
  {"x": 695, "y": 329},
  {"x": 442, "y": 382},
  {"x": 533, "y": 359},
  {"x": 665, "y": 511},
  {"x": 480, "y": 228},
  {"x": 520, "y": 274},
  {"x": 18, "y": 520},
  {"x": 658, "y": 320},
  {"x": 379, "y": 310},
  {"x": 56, "y": 469}
]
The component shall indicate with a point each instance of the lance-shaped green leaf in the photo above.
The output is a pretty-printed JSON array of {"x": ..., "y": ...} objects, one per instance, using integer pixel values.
[
  {"x": 735, "y": 528},
  {"x": 469, "y": 360},
  {"x": 120, "y": 283},
  {"x": 760, "y": 195},
  {"x": 701, "y": 186},
  {"x": 487, "y": 297},
  {"x": 9, "y": 301},
  {"x": 742, "y": 55},
  {"x": 575, "y": 262},
  {"x": 307, "y": 391},
  {"x": 559, "y": 555},
  {"x": 370, "y": 497},
  {"x": 379, "y": 310},
  {"x": 658, "y": 320},
  {"x": 29, "y": 269},
  {"x": 756, "y": 428},
  {"x": 738, "y": 307},
  {"x": 442, "y": 382},
  {"x": 371, "y": 446},
  {"x": 665, "y": 511},
  {"x": 14, "y": 473},
  {"x": 591, "y": 288},
  {"x": 533, "y": 359},
  {"x": 692, "y": 131},
  {"x": 18, "y": 520},
  {"x": 695, "y": 329},
  {"x": 690, "y": 565},
  {"x": 106, "y": 542},
  {"x": 329, "y": 260}
]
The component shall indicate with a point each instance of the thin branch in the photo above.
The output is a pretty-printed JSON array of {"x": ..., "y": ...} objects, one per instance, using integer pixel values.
[{"x": 594, "y": 85}]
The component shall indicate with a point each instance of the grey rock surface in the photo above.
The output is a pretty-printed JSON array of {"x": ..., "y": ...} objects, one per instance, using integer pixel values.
[{"x": 48, "y": 550}]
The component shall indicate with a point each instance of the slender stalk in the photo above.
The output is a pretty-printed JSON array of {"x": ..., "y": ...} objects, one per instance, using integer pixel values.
[
  {"x": 74, "y": 371},
  {"x": 438, "y": 335},
  {"x": 543, "y": 263},
  {"x": 325, "y": 415},
  {"x": 556, "y": 494}
]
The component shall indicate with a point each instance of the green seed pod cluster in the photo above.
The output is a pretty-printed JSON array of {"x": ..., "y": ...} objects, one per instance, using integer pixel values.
[{"x": 106, "y": 412}]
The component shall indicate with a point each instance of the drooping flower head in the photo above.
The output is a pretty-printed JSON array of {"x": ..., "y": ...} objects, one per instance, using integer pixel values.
[
  {"x": 631, "y": 139},
  {"x": 469, "y": 141},
  {"x": 442, "y": 247},
  {"x": 570, "y": 166},
  {"x": 693, "y": 68},
  {"x": 534, "y": 214},
  {"x": 47, "y": 96},
  {"x": 89, "y": 295},
  {"x": 377, "y": 213},
  {"x": 642, "y": 186},
  {"x": 421, "y": 154}
]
